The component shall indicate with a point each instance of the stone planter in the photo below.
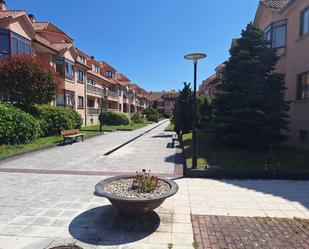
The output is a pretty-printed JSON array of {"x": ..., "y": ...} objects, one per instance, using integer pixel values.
[{"x": 135, "y": 205}]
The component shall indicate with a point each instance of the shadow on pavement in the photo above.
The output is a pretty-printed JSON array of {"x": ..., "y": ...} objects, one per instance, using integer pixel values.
[{"x": 106, "y": 226}]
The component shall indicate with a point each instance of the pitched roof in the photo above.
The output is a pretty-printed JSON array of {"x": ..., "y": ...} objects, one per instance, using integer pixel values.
[
  {"x": 276, "y": 4},
  {"x": 42, "y": 26},
  {"x": 155, "y": 96},
  {"x": 11, "y": 13},
  {"x": 42, "y": 40}
]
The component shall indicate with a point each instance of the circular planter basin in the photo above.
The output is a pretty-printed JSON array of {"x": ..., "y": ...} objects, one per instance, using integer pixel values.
[{"x": 135, "y": 205}]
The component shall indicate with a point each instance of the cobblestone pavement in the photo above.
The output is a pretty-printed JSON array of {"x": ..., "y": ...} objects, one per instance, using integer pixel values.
[
  {"x": 44, "y": 210},
  {"x": 226, "y": 232},
  {"x": 41, "y": 211},
  {"x": 89, "y": 156}
]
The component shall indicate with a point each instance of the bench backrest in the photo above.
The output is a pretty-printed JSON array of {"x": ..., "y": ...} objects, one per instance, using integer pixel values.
[{"x": 69, "y": 132}]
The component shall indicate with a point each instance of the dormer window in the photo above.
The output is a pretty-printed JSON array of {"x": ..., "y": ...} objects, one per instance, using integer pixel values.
[
  {"x": 95, "y": 68},
  {"x": 109, "y": 74},
  {"x": 81, "y": 59},
  {"x": 304, "y": 22}
]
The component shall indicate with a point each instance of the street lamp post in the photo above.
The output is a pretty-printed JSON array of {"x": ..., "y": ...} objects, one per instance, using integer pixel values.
[{"x": 195, "y": 57}]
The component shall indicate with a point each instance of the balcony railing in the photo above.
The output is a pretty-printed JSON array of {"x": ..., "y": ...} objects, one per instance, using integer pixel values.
[
  {"x": 93, "y": 111},
  {"x": 112, "y": 95},
  {"x": 95, "y": 90},
  {"x": 97, "y": 111}
]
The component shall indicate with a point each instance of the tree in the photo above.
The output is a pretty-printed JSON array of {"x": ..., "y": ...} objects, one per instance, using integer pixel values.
[
  {"x": 152, "y": 114},
  {"x": 250, "y": 110},
  {"x": 27, "y": 80},
  {"x": 183, "y": 112},
  {"x": 205, "y": 108}
]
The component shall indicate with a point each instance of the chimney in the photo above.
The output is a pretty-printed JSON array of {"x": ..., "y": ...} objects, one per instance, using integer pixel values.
[
  {"x": 32, "y": 18},
  {"x": 2, "y": 5}
]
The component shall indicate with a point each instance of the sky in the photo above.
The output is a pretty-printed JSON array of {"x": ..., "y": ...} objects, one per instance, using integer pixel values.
[{"x": 146, "y": 40}]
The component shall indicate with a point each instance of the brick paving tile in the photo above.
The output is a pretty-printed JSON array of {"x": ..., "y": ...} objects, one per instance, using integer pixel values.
[{"x": 227, "y": 232}]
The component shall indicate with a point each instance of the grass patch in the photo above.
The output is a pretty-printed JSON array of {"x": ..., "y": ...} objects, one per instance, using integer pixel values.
[
  {"x": 40, "y": 143},
  {"x": 8, "y": 150},
  {"x": 94, "y": 129},
  {"x": 170, "y": 127},
  {"x": 283, "y": 158}
]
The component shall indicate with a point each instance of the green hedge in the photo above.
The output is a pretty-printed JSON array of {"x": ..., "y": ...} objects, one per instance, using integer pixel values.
[
  {"x": 138, "y": 118},
  {"x": 152, "y": 114},
  {"x": 53, "y": 120},
  {"x": 115, "y": 118},
  {"x": 16, "y": 126}
]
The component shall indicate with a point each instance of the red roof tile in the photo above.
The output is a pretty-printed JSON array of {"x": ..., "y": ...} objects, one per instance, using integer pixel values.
[
  {"x": 276, "y": 4},
  {"x": 11, "y": 13}
]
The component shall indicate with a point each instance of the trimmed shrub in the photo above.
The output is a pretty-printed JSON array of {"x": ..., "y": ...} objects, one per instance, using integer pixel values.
[
  {"x": 16, "y": 126},
  {"x": 152, "y": 114},
  {"x": 53, "y": 120},
  {"x": 153, "y": 118},
  {"x": 138, "y": 118},
  {"x": 115, "y": 118}
]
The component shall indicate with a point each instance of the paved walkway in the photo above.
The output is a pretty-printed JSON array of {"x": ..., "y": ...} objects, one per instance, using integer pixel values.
[
  {"x": 44, "y": 210},
  {"x": 215, "y": 232},
  {"x": 89, "y": 156}
]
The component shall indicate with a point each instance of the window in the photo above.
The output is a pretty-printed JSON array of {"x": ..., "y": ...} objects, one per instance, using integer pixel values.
[
  {"x": 14, "y": 46},
  {"x": 80, "y": 102},
  {"x": 4, "y": 43},
  {"x": 275, "y": 34},
  {"x": 304, "y": 136},
  {"x": 109, "y": 74},
  {"x": 59, "y": 61},
  {"x": 90, "y": 81},
  {"x": 70, "y": 99},
  {"x": 303, "y": 86},
  {"x": 304, "y": 26},
  {"x": 69, "y": 69},
  {"x": 20, "y": 45},
  {"x": 81, "y": 59},
  {"x": 81, "y": 76},
  {"x": 65, "y": 67},
  {"x": 95, "y": 68},
  {"x": 90, "y": 103}
]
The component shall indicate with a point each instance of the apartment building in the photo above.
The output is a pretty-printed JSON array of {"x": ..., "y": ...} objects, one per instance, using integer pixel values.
[
  {"x": 164, "y": 101},
  {"x": 286, "y": 27},
  {"x": 89, "y": 86},
  {"x": 209, "y": 86}
]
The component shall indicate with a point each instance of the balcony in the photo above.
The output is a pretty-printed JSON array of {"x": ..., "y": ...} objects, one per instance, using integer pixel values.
[
  {"x": 97, "y": 111},
  {"x": 112, "y": 96},
  {"x": 95, "y": 91}
]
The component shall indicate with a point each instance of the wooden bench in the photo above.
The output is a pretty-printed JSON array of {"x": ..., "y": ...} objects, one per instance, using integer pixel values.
[
  {"x": 174, "y": 138},
  {"x": 71, "y": 136}
]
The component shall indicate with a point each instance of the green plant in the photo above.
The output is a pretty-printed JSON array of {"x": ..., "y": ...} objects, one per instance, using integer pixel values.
[
  {"x": 115, "y": 118},
  {"x": 16, "y": 126},
  {"x": 183, "y": 111},
  {"x": 53, "y": 120},
  {"x": 138, "y": 118},
  {"x": 250, "y": 110},
  {"x": 27, "y": 80},
  {"x": 144, "y": 182},
  {"x": 152, "y": 114}
]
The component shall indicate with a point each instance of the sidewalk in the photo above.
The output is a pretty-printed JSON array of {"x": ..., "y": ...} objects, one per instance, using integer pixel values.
[{"x": 44, "y": 210}]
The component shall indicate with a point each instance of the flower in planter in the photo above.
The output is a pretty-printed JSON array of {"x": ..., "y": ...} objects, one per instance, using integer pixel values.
[{"x": 144, "y": 182}]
